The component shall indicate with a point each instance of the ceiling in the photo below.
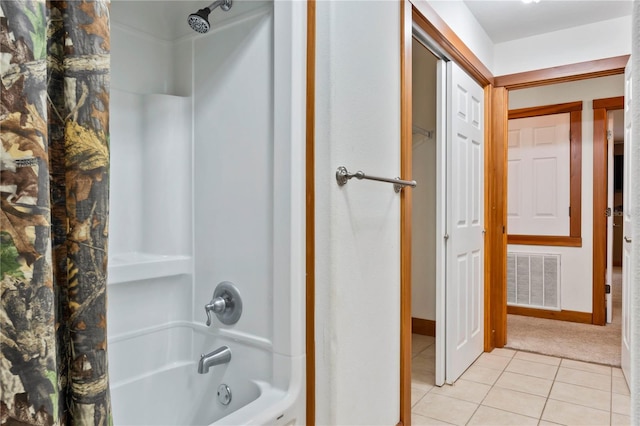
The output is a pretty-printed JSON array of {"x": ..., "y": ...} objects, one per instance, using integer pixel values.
[{"x": 505, "y": 20}]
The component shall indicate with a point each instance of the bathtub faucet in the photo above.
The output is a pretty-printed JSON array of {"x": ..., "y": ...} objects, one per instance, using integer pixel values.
[
  {"x": 226, "y": 304},
  {"x": 219, "y": 356}
]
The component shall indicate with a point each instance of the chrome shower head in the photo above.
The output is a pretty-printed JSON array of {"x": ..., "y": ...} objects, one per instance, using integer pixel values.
[{"x": 199, "y": 21}]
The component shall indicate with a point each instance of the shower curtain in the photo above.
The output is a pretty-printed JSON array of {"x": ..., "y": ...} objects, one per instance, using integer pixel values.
[{"x": 54, "y": 193}]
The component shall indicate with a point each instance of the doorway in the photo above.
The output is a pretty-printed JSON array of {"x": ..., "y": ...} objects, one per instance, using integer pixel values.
[
  {"x": 438, "y": 35},
  {"x": 448, "y": 212},
  {"x": 582, "y": 291},
  {"x": 615, "y": 208},
  {"x": 424, "y": 219}
]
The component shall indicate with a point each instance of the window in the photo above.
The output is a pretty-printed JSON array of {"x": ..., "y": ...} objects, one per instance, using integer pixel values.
[{"x": 544, "y": 175}]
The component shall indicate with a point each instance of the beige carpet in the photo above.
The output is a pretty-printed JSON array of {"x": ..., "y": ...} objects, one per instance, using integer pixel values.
[{"x": 581, "y": 342}]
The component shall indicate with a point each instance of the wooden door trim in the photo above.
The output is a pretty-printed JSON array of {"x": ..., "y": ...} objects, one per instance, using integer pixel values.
[
  {"x": 310, "y": 345},
  {"x": 544, "y": 240},
  {"x": 496, "y": 219},
  {"x": 406, "y": 73},
  {"x": 600, "y": 189},
  {"x": 609, "y": 104},
  {"x": 574, "y": 239},
  {"x": 423, "y": 327},
  {"x": 563, "y": 315},
  {"x": 427, "y": 18},
  {"x": 564, "y": 73},
  {"x": 538, "y": 111}
]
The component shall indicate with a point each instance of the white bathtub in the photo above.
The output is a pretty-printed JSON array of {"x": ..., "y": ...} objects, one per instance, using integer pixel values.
[{"x": 154, "y": 386}]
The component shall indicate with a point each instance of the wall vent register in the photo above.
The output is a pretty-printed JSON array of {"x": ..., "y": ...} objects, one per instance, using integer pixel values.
[{"x": 533, "y": 280}]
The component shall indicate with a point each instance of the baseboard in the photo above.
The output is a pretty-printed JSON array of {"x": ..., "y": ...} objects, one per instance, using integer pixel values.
[
  {"x": 423, "y": 326},
  {"x": 570, "y": 316}
]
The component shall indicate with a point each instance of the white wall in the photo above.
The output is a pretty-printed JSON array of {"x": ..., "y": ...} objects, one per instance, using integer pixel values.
[
  {"x": 233, "y": 169},
  {"x": 576, "y": 279},
  {"x": 603, "y": 39},
  {"x": 424, "y": 80},
  {"x": 358, "y": 225},
  {"x": 460, "y": 19},
  {"x": 140, "y": 63},
  {"x": 150, "y": 144},
  {"x": 150, "y": 202},
  {"x": 600, "y": 40},
  {"x": 423, "y": 226}
]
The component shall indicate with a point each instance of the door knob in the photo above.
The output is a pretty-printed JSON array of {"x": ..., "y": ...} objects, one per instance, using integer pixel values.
[{"x": 628, "y": 240}]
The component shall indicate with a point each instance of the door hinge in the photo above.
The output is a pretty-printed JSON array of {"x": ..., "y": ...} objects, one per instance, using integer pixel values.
[
  {"x": 609, "y": 135},
  {"x": 607, "y": 289},
  {"x": 607, "y": 212},
  {"x": 569, "y": 211}
]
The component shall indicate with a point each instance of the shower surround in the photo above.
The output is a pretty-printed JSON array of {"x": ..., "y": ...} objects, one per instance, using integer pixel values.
[{"x": 207, "y": 140}]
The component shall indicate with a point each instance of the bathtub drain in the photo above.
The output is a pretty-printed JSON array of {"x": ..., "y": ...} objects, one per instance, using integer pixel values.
[{"x": 224, "y": 394}]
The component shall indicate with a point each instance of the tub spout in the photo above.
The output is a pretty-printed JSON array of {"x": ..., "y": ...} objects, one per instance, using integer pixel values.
[{"x": 219, "y": 356}]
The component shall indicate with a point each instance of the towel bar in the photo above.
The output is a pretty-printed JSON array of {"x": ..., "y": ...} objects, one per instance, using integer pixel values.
[{"x": 343, "y": 176}]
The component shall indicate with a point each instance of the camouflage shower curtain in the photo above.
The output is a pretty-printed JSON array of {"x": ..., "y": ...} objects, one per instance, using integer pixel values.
[{"x": 54, "y": 190}]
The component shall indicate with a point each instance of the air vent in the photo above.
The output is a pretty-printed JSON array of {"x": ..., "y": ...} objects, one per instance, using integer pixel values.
[{"x": 533, "y": 280}]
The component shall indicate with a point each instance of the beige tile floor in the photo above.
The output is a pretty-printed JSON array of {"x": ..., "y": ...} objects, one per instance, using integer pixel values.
[{"x": 507, "y": 387}]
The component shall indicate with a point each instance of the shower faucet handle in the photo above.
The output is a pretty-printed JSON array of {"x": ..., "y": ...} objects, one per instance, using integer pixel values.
[
  {"x": 226, "y": 304},
  {"x": 217, "y": 305}
]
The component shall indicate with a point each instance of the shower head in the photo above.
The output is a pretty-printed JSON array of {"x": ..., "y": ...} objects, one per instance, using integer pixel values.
[{"x": 199, "y": 21}]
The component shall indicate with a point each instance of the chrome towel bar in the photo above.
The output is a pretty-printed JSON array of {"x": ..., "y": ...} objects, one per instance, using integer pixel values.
[{"x": 343, "y": 176}]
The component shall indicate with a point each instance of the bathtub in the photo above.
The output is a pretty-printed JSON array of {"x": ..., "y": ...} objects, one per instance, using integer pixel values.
[
  {"x": 208, "y": 185},
  {"x": 156, "y": 386}
]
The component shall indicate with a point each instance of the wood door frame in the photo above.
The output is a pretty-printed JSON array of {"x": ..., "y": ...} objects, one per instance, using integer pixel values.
[
  {"x": 574, "y": 239},
  {"x": 424, "y": 15},
  {"x": 568, "y": 73},
  {"x": 601, "y": 107},
  {"x": 310, "y": 292},
  {"x": 406, "y": 121}
]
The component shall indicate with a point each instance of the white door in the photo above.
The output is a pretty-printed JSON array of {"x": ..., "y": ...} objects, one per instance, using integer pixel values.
[
  {"x": 627, "y": 269},
  {"x": 610, "y": 208},
  {"x": 465, "y": 222},
  {"x": 539, "y": 181}
]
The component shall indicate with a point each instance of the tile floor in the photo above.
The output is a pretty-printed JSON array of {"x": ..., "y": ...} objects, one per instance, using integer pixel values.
[{"x": 507, "y": 387}]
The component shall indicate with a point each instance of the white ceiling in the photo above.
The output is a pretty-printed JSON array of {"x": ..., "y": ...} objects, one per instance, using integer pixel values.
[{"x": 505, "y": 20}]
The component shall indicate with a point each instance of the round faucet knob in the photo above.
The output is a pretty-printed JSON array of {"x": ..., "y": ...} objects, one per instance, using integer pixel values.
[{"x": 226, "y": 304}]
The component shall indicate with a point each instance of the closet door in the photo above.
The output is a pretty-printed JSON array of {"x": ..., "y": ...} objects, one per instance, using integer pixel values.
[{"x": 465, "y": 222}]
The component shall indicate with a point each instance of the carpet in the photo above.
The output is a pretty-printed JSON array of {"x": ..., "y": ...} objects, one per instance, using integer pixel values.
[{"x": 581, "y": 342}]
